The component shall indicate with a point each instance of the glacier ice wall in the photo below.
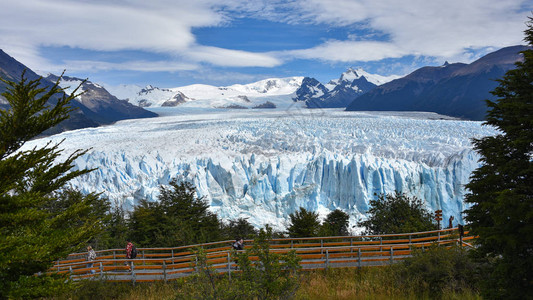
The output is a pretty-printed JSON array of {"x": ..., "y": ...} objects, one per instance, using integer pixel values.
[{"x": 265, "y": 165}]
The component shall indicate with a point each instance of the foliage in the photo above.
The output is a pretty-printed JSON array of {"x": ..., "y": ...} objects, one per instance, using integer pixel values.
[
  {"x": 39, "y": 223},
  {"x": 397, "y": 214},
  {"x": 239, "y": 228},
  {"x": 346, "y": 283},
  {"x": 207, "y": 284},
  {"x": 501, "y": 190},
  {"x": 438, "y": 270},
  {"x": 335, "y": 224},
  {"x": 178, "y": 218},
  {"x": 303, "y": 223},
  {"x": 98, "y": 289},
  {"x": 115, "y": 232},
  {"x": 272, "y": 276},
  {"x": 263, "y": 274}
]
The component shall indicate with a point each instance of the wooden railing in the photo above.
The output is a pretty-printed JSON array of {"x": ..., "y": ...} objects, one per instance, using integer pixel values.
[{"x": 156, "y": 264}]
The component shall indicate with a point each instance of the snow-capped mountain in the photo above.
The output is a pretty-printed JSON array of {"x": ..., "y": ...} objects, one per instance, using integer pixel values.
[
  {"x": 265, "y": 164},
  {"x": 353, "y": 74},
  {"x": 456, "y": 89},
  {"x": 277, "y": 91},
  {"x": 339, "y": 92},
  {"x": 273, "y": 92}
]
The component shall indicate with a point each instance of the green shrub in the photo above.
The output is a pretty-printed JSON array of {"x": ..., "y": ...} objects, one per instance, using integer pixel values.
[
  {"x": 439, "y": 270},
  {"x": 397, "y": 213}
]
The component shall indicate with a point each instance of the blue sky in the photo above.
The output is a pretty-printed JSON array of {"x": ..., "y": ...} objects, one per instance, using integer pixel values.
[{"x": 170, "y": 43}]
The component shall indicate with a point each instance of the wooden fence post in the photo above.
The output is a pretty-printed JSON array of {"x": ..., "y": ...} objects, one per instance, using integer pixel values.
[
  {"x": 327, "y": 258},
  {"x": 229, "y": 267},
  {"x": 391, "y": 255},
  {"x": 164, "y": 271},
  {"x": 132, "y": 273},
  {"x": 196, "y": 263},
  {"x": 101, "y": 270},
  {"x": 359, "y": 257}
]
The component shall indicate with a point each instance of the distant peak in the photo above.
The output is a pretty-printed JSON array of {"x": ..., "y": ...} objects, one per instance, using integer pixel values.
[
  {"x": 446, "y": 63},
  {"x": 357, "y": 73},
  {"x": 351, "y": 74}
]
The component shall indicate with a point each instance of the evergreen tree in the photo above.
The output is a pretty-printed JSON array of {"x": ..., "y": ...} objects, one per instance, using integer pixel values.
[
  {"x": 501, "y": 190},
  {"x": 303, "y": 223},
  {"x": 115, "y": 232},
  {"x": 336, "y": 223},
  {"x": 397, "y": 214},
  {"x": 239, "y": 228},
  {"x": 178, "y": 218},
  {"x": 117, "y": 229},
  {"x": 39, "y": 223}
]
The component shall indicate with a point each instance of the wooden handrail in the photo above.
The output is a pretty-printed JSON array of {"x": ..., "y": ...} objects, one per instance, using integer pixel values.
[
  {"x": 229, "y": 242},
  {"x": 316, "y": 253}
]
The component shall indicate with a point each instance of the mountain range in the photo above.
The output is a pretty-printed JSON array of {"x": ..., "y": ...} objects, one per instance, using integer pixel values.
[
  {"x": 267, "y": 93},
  {"x": 457, "y": 89},
  {"x": 276, "y": 91},
  {"x": 95, "y": 107},
  {"x": 341, "y": 92}
]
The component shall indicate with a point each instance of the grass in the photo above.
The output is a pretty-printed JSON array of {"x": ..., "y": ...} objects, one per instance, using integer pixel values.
[
  {"x": 368, "y": 283},
  {"x": 365, "y": 283}
]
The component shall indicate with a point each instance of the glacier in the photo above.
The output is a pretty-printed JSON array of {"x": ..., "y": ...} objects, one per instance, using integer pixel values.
[{"x": 265, "y": 164}]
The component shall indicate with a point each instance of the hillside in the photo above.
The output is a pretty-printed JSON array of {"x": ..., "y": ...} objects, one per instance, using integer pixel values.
[
  {"x": 96, "y": 107},
  {"x": 457, "y": 89}
]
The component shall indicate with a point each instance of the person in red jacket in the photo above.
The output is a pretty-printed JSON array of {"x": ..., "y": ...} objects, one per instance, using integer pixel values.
[{"x": 129, "y": 254}]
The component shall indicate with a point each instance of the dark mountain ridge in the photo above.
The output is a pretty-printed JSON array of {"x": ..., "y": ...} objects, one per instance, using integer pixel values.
[
  {"x": 96, "y": 107},
  {"x": 457, "y": 90},
  {"x": 106, "y": 107}
]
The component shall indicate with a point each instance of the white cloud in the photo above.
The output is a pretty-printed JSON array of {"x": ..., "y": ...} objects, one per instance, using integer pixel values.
[
  {"x": 143, "y": 66},
  {"x": 442, "y": 29},
  {"x": 439, "y": 29},
  {"x": 347, "y": 51},
  {"x": 150, "y": 26},
  {"x": 234, "y": 58},
  {"x": 101, "y": 25}
]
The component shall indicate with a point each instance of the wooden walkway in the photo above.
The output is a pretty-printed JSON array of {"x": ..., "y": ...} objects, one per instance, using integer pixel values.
[{"x": 163, "y": 264}]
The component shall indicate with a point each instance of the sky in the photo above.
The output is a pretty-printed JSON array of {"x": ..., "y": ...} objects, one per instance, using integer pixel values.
[{"x": 171, "y": 43}]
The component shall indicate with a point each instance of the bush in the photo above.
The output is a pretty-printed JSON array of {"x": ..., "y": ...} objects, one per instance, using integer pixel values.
[
  {"x": 397, "y": 214},
  {"x": 272, "y": 275},
  {"x": 439, "y": 270},
  {"x": 262, "y": 275}
]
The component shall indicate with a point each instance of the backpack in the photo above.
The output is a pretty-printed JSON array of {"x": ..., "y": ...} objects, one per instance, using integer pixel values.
[{"x": 133, "y": 251}]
